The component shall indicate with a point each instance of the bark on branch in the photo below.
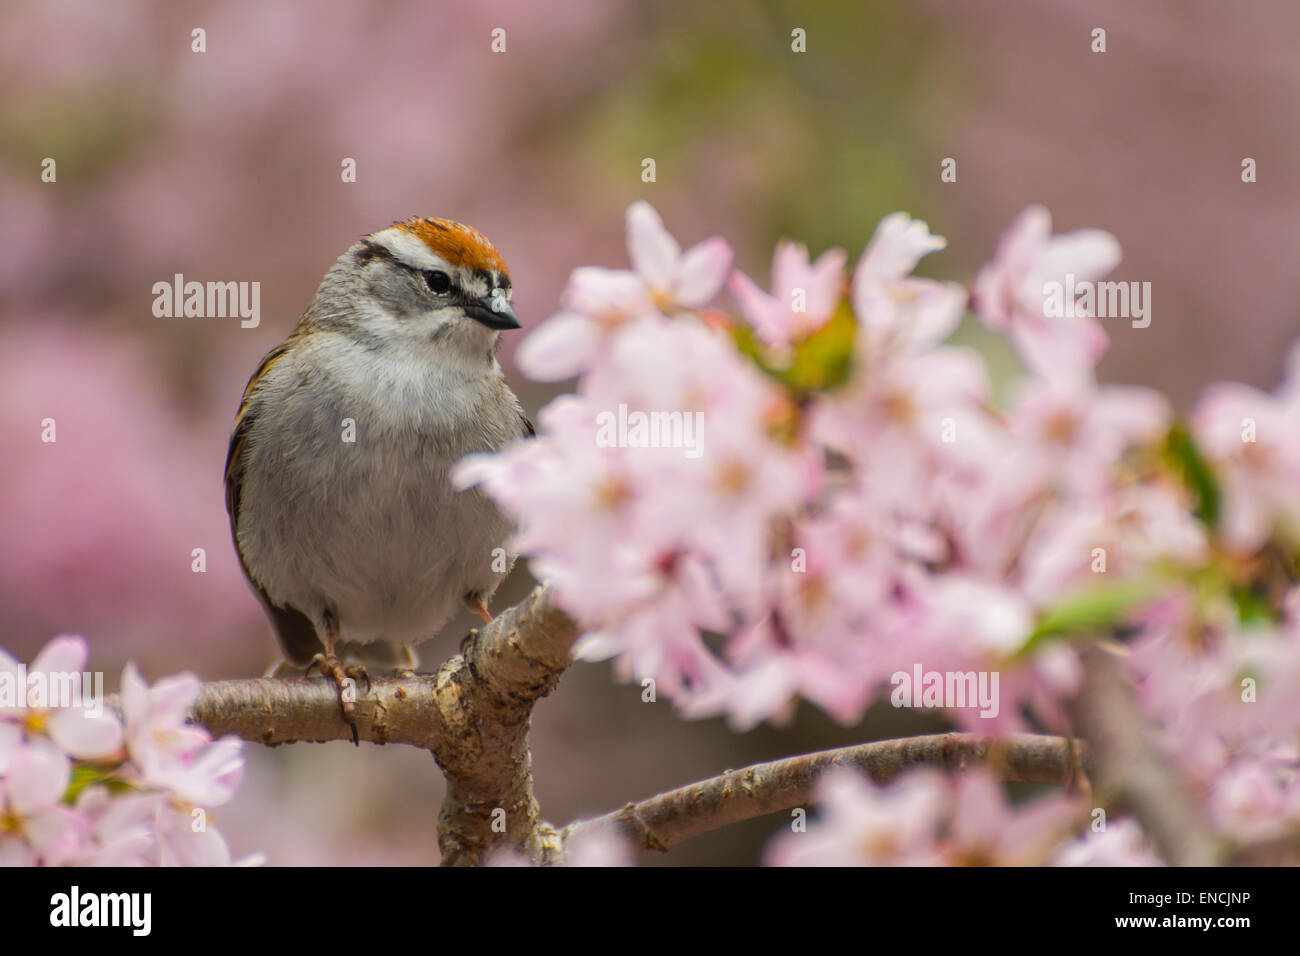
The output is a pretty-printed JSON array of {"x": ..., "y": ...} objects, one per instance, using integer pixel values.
[
  {"x": 668, "y": 819},
  {"x": 473, "y": 715}
]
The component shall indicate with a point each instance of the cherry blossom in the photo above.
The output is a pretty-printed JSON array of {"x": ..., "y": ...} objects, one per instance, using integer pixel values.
[
  {"x": 1121, "y": 843},
  {"x": 87, "y": 731},
  {"x": 1250, "y": 436},
  {"x": 923, "y": 818},
  {"x": 803, "y": 294},
  {"x": 897, "y": 311},
  {"x": 156, "y": 731},
  {"x": 986, "y": 830},
  {"x": 77, "y": 787},
  {"x": 1009, "y": 293},
  {"x": 863, "y": 502},
  {"x": 1078, "y": 430},
  {"x": 598, "y": 301},
  {"x": 35, "y": 827},
  {"x": 862, "y": 824},
  {"x": 674, "y": 279}
]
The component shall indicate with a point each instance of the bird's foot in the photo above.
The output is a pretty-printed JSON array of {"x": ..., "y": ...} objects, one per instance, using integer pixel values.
[
  {"x": 346, "y": 677},
  {"x": 479, "y": 608},
  {"x": 465, "y": 641}
]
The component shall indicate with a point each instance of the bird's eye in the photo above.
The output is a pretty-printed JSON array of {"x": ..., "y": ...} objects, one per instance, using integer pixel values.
[{"x": 438, "y": 281}]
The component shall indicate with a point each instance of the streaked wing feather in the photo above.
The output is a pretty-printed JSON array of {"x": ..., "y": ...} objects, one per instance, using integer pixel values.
[{"x": 295, "y": 631}]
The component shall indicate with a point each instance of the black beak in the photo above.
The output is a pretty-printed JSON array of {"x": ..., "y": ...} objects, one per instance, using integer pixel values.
[{"x": 500, "y": 318}]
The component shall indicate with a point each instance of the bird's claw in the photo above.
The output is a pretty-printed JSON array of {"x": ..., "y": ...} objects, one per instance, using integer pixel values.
[{"x": 346, "y": 677}]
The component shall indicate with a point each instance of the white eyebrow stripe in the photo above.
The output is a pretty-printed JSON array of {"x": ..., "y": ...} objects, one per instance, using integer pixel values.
[{"x": 409, "y": 249}]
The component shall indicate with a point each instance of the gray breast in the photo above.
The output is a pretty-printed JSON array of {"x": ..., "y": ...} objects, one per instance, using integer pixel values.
[{"x": 347, "y": 503}]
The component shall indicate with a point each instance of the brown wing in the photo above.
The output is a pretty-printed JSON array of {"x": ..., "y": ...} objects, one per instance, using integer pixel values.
[
  {"x": 243, "y": 419},
  {"x": 295, "y": 631}
]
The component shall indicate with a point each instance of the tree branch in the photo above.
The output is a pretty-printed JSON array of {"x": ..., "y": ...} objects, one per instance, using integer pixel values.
[
  {"x": 485, "y": 698},
  {"x": 1132, "y": 772},
  {"x": 473, "y": 715},
  {"x": 273, "y": 711},
  {"x": 662, "y": 822}
]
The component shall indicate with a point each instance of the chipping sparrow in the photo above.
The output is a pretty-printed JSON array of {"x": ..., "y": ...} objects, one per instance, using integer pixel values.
[{"x": 346, "y": 523}]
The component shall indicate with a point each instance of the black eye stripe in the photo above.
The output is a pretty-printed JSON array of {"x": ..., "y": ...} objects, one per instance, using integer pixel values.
[
  {"x": 372, "y": 250},
  {"x": 439, "y": 286}
]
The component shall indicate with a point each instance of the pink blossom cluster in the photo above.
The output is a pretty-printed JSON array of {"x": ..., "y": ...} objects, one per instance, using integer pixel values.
[
  {"x": 81, "y": 786},
  {"x": 927, "y": 818},
  {"x": 1223, "y": 696},
  {"x": 813, "y": 496}
]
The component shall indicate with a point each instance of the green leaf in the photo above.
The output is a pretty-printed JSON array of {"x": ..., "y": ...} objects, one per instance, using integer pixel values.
[
  {"x": 85, "y": 775},
  {"x": 747, "y": 344},
  {"x": 1253, "y": 609},
  {"x": 1095, "y": 610},
  {"x": 820, "y": 362},
  {"x": 824, "y": 359},
  {"x": 1182, "y": 455}
]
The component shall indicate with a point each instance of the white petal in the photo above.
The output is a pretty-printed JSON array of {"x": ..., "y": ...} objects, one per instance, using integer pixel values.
[
  {"x": 1059, "y": 350},
  {"x": 703, "y": 271},
  {"x": 934, "y": 314},
  {"x": 1137, "y": 413},
  {"x": 559, "y": 348},
  {"x": 65, "y": 654},
  {"x": 1024, "y": 240},
  {"x": 898, "y": 245},
  {"x": 38, "y": 777},
  {"x": 83, "y": 735},
  {"x": 764, "y": 313},
  {"x": 653, "y": 251},
  {"x": 595, "y": 291},
  {"x": 11, "y": 738},
  {"x": 135, "y": 698},
  {"x": 1085, "y": 254}
]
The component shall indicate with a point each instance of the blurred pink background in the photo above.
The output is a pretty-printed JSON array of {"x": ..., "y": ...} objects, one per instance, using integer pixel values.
[{"x": 225, "y": 165}]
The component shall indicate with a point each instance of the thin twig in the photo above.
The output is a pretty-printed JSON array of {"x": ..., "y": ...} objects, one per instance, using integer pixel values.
[{"x": 668, "y": 819}]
